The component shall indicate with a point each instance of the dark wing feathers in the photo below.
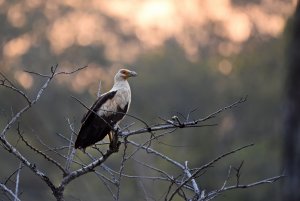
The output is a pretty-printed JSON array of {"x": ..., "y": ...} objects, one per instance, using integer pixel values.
[
  {"x": 92, "y": 132},
  {"x": 94, "y": 128},
  {"x": 96, "y": 106},
  {"x": 117, "y": 116}
]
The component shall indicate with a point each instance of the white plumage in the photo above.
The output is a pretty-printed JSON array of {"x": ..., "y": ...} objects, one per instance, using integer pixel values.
[{"x": 107, "y": 111}]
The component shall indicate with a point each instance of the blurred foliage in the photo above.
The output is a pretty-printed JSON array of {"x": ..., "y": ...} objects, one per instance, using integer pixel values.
[{"x": 179, "y": 70}]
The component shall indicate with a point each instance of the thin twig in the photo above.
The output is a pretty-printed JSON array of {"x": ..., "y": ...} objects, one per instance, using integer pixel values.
[
  {"x": 71, "y": 151},
  {"x": 148, "y": 142},
  {"x": 11, "y": 149},
  {"x": 206, "y": 166},
  {"x": 53, "y": 69},
  {"x": 182, "y": 183},
  {"x": 150, "y": 150},
  {"x": 228, "y": 176},
  {"x": 26, "y": 162},
  {"x": 99, "y": 89},
  {"x": 18, "y": 182},
  {"x": 18, "y": 115},
  {"x": 86, "y": 169},
  {"x": 122, "y": 165},
  {"x": 195, "y": 185},
  {"x": 71, "y": 72},
  {"x": 7, "y": 190},
  {"x": 48, "y": 158},
  {"x": 171, "y": 178},
  {"x": 216, "y": 193},
  {"x": 13, "y": 87},
  {"x": 241, "y": 100}
]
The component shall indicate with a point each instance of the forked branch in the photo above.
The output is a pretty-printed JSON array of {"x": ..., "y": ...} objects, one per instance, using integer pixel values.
[{"x": 184, "y": 184}]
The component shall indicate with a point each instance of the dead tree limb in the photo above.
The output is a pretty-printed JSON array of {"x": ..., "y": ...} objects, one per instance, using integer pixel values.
[{"x": 183, "y": 185}]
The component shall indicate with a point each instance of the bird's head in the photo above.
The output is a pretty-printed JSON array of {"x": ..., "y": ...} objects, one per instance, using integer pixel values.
[{"x": 124, "y": 74}]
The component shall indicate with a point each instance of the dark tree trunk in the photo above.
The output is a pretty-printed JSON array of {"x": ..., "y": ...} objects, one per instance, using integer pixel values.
[{"x": 291, "y": 156}]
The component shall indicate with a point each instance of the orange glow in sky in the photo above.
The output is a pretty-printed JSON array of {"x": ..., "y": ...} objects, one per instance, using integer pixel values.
[
  {"x": 152, "y": 22},
  {"x": 17, "y": 46},
  {"x": 24, "y": 79},
  {"x": 124, "y": 29}
]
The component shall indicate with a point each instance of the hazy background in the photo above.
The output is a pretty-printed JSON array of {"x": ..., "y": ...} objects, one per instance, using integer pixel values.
[{"x": 188, "y": 54}]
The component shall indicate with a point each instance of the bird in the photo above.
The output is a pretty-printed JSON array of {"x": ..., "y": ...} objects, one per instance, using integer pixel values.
[{"x": 106, "y": 113}]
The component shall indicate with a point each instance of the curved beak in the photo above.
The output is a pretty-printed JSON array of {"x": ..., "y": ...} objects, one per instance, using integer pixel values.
[{"x": 132, "y": 74}]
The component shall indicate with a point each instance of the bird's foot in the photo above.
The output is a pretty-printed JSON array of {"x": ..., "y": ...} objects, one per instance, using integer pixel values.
[
  {"x": 114, "y": 146},
  {"x": 117, "y": 129}
]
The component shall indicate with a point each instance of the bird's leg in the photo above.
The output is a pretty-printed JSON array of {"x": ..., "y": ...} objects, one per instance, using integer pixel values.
[
  {"x": 113, "y": 137},
  {"x": 110, "y": 135}
]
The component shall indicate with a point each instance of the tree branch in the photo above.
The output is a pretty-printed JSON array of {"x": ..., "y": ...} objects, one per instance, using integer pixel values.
[
  {"x": 183, "y": 185},
  {"x": 13, "y": 87},
  {"x": 11, "y": 148},
  {"x": 195, "y": 185},
  {"x": 86, "y": 169},
  {"x": 216, "y": 193},
  {"x": 7, "y": 190},
  {"x": 198, "y": 170}
]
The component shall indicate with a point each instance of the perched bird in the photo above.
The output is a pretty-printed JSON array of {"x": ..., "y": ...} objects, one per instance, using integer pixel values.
[{"x": 106, "y": 112}]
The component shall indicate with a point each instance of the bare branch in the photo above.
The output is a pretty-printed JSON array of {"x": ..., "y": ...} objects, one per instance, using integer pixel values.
[
  {"x": 176, "y": 123},
  {"x": 11, "y": 86},
  {"x": 195, "y": 185},
  {"x": 71, "y": 72},
  {"x": 103, "y": 179},
  {"x": 86, "y": 169},
  {"x": 64, "y": 137},
  {"x": 241, "y": 100},
  {"x": 15, "y": 118},
  {"x": 48, "y": 158},
  {"x": 153, "y": 137},
  {"x": 122, "y": 165},
  {"x": 150, "y": 150},
  {"x": 228, "y": 176},
  {"x": 71, "y": 151},
  {"x": 182, "y": 185},
  {"x": 52, "y": 149},
  {"x": 198, "y": 170},
  {"x": 238, "y": 173},
  {"x": 144, "y": 191},
  {"x": 53, "y": 71},
  {"x": 170, "y": 178},
  {"x": 99, "y": 89},
  {"x": 18, "y": 115},
  {"x": 7, "y": 190},
  {"x": 167, "y": 178},
  {"x": 26, "y": 162},
  {"x": 18, "y": 182},
  {"x": 167, "y": 126},
  {"x": 214, "y": 194}
]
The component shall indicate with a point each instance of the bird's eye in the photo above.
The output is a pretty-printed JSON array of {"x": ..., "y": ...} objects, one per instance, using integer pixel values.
[{"x": 123, "y": 71}]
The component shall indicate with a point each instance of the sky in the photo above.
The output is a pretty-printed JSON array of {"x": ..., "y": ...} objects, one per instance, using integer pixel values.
[{"x": 123, "y": 30}]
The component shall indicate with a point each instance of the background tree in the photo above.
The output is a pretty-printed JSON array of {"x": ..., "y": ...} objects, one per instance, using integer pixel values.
[{"x": 291, "y": 158}]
